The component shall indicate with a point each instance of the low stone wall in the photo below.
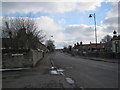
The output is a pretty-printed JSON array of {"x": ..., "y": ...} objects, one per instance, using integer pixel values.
[
  {"x": 28, "y": 59},
  {"x": 36, "y": 56}
]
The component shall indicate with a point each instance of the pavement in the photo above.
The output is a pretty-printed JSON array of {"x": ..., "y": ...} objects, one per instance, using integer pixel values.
[
  {"x": 99, "y": 59},
  {"x": 102, "y": 59}
]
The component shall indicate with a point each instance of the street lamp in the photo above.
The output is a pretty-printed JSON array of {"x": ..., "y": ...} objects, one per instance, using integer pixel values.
[
  {"x": 50, "y": 37},
  {"x": 90, "y": 16}
]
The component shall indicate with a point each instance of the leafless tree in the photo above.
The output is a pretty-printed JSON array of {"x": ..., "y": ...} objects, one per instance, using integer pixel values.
[
  {"x": 106, "y": 38},
  {"x": 23, "y": 31},
  {"x": 50, "y": 45}
]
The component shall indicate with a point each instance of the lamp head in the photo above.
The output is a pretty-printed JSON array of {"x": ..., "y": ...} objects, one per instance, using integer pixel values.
[
  {"x": 90, "y": 15},
  {"x": 114, "y": 32}
]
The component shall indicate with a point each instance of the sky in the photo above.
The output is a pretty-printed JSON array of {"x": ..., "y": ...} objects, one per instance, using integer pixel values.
[{"x": 67, "y": 21}]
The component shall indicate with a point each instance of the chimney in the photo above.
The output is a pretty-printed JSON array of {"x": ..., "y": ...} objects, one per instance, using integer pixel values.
[
  {"x": 81, "y": 43},
  {"x": 90, "y": 42}
]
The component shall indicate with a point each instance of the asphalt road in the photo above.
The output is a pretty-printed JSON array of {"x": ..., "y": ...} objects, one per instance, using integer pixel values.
[{"x": 88, "y": 73}]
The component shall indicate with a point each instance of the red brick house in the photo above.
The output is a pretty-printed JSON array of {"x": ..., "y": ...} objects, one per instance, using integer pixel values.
[{"x": 90, "y": 47}]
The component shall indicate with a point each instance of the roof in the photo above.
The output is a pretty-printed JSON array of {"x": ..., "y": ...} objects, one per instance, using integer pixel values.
[
  {"x": 93, "y": 45},
  {"x": 85, "y": 44},
  {"x": 99, "y": 45}
]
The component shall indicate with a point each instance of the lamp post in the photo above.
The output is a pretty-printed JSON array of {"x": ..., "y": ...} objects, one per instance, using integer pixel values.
[
  {"x": 93, "y": 15},
  {"x": 116, "y": 43},
  {"x": 10, "y": 35}
]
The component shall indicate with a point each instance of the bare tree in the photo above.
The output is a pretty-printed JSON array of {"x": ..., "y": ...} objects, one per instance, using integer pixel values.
[
  {"x": 24, "y": 32},
  {"x": 50, "y": 45},
  {"x": 107, "y": 38}
]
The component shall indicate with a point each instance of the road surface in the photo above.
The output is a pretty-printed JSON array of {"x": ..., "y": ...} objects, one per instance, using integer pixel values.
[
  {"x": 85, "y": 73},
  {"x": 88, "y": 73}
]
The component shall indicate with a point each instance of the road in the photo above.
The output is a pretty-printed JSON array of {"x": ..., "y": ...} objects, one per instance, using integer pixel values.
[
  {"x": 85, "y": 73},
  {"x": 88, "y": 73}
]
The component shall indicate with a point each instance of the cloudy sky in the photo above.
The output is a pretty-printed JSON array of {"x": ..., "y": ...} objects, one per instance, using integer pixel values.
[{"x": 68, "y": 22}]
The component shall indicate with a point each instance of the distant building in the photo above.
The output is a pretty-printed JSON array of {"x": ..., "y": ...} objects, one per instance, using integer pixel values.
[
  {"x": 100, "y": 47},
  {"x": 42, "y": 47},
  {"x": 7, "y": 44},
  {"x": 90, "y": 47},
  {"x": 115, "y": 44}
]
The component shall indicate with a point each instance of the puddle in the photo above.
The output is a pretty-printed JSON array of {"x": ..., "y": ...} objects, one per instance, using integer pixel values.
[
  {"x": 70, "y": 80},
  {"x": 55, "y": 71},
  {"x": 52, "y": 67}
]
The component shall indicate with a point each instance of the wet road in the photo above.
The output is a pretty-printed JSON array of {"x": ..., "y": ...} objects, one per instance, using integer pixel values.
[{"x": 88, "y": 73}]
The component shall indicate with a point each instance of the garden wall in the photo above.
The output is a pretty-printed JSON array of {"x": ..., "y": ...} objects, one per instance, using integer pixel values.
[{"x": 28, "y": 59}]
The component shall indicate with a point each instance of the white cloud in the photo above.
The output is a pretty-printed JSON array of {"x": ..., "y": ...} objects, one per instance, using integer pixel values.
[
  {"x": 46, "y": 23},
  {"x": 50, "y": 27},
  {"x": 110, "y": 23},
  {"x": 85, "y": 33},
  {"x": 58, "y": 0},
  {"x": 48, "y": 7},
  {"x": 62, "y": 21}
]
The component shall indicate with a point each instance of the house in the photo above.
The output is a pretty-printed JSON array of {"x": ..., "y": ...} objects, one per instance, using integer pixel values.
[
  {"x": 115, "y": 41},
  {"x": 90, "y": 47},
  {"x": 108, "y": 46},
  {"x": 100, "y": 47},
  {"x": 42, "y": 47},
  {"x": 113, "y": 45},
  {"x": 7, "y": 44}
]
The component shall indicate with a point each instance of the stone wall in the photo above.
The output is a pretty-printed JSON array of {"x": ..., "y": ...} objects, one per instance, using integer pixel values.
[
  {"x": 28, "y": 59},
  {"x": 36, "y": 56},
  {"x": 0, "y": 53}
]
